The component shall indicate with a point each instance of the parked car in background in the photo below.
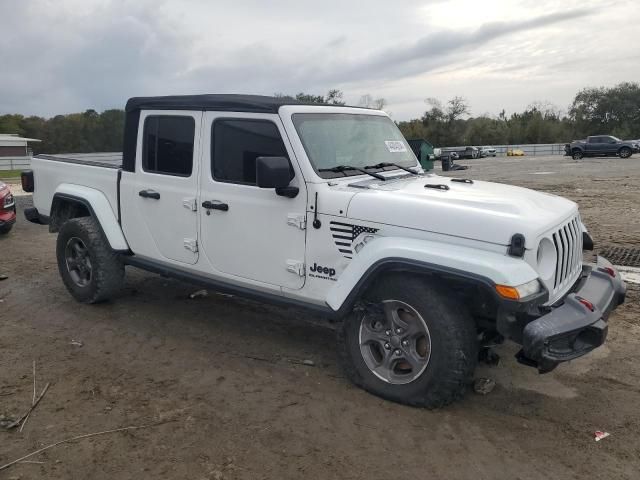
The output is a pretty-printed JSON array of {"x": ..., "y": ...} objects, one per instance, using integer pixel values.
[
  {"x": 487, "y": 151},
  {"x": 515, "y": 152},
  {"x": 471, "y": 152},
  {"x": 599, "y": 146},
  {"x": 462, "y": 152},
  {"x": 636, "y": 146},
  {"x": 7, "y": 209}
]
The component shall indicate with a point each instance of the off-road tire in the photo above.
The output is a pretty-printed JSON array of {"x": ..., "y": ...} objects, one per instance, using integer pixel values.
[
  {"x": 454, "y": 344},
  {"x": 107, "y": 267},
  {"x": 577, "y": 154},
  {"x": 5, "y": 229},
  {"x": 625, "y": 152}
]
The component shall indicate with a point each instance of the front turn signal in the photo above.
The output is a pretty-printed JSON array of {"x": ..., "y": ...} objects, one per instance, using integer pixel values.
[
  {"x": 508, "y": 292},
  {"x": 521, "y": 291}
]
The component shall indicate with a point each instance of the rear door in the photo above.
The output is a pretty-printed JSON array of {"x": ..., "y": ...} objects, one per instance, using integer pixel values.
[
  {"x": 159, "y": 206},
  {"x": 251, "y": 233},
  {"x": 596, "y": 145}
]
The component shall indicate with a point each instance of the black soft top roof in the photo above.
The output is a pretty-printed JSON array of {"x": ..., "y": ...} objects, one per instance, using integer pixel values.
[
  {"x": 216, "y": 102},
  {"x": 219, "y": 102}
]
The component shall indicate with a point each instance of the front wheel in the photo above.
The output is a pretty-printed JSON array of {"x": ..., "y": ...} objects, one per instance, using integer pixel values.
[
  {"x": 5, "y": 229},
  {"x": 577, "y": 154},
  {"x": 625, "y": 152},
  {"x": 410, "y": 343},
  {"x": 90, "y": 269}
]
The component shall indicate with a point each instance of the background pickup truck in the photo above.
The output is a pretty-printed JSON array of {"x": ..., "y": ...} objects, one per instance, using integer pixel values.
[
  {"x": 327, "y": 208},
  {"x": 599, "y": 146}
]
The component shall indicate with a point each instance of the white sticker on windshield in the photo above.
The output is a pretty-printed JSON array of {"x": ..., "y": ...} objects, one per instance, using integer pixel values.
[{"x": 395, "y": 146}]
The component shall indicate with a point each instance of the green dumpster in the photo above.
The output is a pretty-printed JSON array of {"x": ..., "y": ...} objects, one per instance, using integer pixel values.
[{"x": 423, "y": 150}]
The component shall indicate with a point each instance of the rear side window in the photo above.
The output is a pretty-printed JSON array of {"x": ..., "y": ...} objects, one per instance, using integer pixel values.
[
  {"x": 236, "y": 143},
  {"x": 168, "y": 145}
]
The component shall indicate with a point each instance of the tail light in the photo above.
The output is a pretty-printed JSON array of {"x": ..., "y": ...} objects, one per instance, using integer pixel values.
[{"x": 26, "y": 178}]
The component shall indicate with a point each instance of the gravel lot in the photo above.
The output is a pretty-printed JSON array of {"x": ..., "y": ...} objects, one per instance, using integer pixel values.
[{"x": 222, "y": 382}]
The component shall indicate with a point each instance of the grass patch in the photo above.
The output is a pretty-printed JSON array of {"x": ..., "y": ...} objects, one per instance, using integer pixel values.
[{"x": 10, "y": 173}]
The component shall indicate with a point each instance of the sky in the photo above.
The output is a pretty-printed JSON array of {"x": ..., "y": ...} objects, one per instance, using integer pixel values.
[{"x": 63, "y": 56}]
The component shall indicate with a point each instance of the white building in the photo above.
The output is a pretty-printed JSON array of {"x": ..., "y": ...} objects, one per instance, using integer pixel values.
[{"x": 15, "y": 153}]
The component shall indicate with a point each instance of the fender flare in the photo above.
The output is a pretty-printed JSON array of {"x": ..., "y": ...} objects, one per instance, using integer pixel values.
[
  {"x": 98, "y": 205},
  {"x": 425, "y": 256}
]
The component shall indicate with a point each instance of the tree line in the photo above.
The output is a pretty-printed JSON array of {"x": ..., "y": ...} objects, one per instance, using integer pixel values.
[
  {"x": 74, "y": 133},
  {"x": 613, "y": 110},
  {"x": 608, "y": 111}
]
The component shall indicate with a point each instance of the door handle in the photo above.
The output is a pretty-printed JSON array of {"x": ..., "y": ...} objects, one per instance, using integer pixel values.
[
  {"x": 209, "y": 205},
  {"x": 149, "y": 194}
]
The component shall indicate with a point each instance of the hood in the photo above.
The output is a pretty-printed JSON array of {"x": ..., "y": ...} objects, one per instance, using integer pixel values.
[{"x": 484, "y": 211}]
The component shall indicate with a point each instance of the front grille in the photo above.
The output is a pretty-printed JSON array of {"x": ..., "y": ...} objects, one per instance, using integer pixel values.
[{"x": 568, "y": 242}]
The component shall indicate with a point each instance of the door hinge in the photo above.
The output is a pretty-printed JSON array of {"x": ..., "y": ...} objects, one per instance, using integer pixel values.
[
  {"x": 297, "y": 267},
  {"x": 296, "y": 220},
  {"x": 191, "y": 244},
  {"x": 190, "y": 203}
]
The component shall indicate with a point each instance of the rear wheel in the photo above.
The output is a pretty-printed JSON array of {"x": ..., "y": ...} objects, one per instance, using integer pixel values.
[
  {"x": 411, "y": 344},
  {"x": 90, "y": 269},
  {"x": 5, "y": 229},
  {"x": 577, "y": 154},
  {"x": 625, "y": 152}
]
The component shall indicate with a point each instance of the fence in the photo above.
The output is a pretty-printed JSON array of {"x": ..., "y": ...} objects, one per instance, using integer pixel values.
[
  {"x": 533, "y": 149},
  {"x": 15, "y": 163},
  {"x": 529, "y": 150}
]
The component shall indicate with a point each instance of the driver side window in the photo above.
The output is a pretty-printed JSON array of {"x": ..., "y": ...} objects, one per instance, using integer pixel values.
[{"x": 235, "y": 145}]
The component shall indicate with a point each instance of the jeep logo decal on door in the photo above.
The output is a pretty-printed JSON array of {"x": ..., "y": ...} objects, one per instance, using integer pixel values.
[{"x": 318, "y": 271}]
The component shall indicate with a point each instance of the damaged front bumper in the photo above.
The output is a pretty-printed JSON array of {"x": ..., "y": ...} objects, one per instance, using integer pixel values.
[{"x": 575, "y": 325}]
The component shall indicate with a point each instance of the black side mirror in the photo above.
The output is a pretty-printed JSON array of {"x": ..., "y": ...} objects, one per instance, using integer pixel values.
[{"x": 275, "y": 172}]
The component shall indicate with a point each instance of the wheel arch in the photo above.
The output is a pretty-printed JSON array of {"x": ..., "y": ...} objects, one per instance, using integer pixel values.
[
  {"x": 413, "y": 268},
  {"x": 451, "y": 264},
  {"x": 79, "y": 201},
  {"x": 625, "y": 147}
]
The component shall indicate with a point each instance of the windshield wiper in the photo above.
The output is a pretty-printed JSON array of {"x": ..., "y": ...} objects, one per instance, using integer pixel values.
[
  {"x": 388, "y": 164},
  {"x": 344, "y": 168}
]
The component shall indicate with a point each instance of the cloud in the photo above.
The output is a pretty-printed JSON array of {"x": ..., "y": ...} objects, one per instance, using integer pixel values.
[
  {"x": 69, "y": 55},
  {"x": 434, "y": 49}
]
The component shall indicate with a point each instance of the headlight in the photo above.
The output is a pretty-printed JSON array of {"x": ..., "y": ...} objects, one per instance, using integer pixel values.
[
  {"x": 9, "y": 201},
  {"x": 521, "y": 291},
  {"x": 547, "y": 258}
]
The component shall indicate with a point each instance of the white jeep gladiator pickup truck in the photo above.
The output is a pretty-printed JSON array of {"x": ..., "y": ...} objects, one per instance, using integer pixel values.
[{"x": 327, "y": 208}]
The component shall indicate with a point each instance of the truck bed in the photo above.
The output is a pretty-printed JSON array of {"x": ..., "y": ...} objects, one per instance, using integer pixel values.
[
  {"x": 106, "y": 159},
  {"x": 73, "y": 172}
]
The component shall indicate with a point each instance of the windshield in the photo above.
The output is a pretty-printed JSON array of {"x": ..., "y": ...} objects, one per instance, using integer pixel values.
[{"x": 355, "y": 140}]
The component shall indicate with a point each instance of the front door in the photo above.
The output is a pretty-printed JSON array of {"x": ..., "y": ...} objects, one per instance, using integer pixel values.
[
  {"x": 609, "y": 145},
  {"x": 160, "y": 214},
  {"x": 248, "y": 232}
]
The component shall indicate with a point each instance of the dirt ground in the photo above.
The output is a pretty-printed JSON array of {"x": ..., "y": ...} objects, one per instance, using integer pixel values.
[{"x": 221, "y": 385}]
